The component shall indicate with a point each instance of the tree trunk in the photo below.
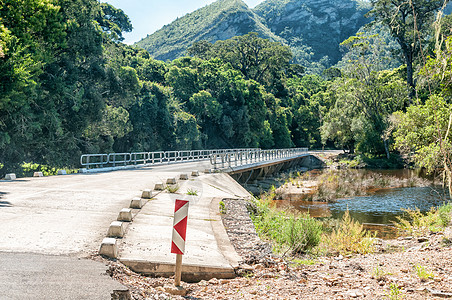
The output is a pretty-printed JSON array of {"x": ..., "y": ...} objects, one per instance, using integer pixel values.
[
  {"x": 385, "y": 143},
  {"x": 448, "y": 178},
  {"x": 409, "y": 75}
]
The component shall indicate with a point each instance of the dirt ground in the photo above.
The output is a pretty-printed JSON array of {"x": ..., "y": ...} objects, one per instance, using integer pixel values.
[{"x": 405, "y": 268}]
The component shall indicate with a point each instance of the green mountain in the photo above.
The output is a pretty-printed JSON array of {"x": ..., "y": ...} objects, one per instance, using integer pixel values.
[
  {"x": 220, "y": 20},
  {"x": 313, "y": 28}
]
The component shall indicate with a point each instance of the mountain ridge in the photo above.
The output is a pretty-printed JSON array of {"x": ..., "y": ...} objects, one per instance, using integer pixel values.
[
  {"x": 312, "y": 28},
  {"x": 220, "y": 20}
]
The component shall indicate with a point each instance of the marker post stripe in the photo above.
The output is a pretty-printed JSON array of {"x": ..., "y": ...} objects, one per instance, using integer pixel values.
[
  {"x": 178, "y": 240},
  {"x": 179, "y": 227}
]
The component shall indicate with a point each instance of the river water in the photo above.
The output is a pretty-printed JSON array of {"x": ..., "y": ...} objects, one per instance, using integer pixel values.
[{"x": 379, "y": 209}]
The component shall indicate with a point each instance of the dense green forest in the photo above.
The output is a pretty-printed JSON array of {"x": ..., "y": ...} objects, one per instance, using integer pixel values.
[{"x": 70, "y": 86}]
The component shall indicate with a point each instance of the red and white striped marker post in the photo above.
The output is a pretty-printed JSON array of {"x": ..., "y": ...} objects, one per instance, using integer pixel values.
[{"x": 179, "y": 231}]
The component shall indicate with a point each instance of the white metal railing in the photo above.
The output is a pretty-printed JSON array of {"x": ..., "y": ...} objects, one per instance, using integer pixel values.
[
  {"x": 151, "y": 158},
  {"x": 249, "y": 156}
]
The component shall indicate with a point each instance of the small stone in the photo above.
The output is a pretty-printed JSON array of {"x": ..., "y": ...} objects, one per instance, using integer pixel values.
[
  {"x": 422, "y": 239},
  {"x": 175, "y": 290},
  {"x": 246, "y": 267},
  {"x": 259, "y": 267},
  {"x": 160, "y": 289}
]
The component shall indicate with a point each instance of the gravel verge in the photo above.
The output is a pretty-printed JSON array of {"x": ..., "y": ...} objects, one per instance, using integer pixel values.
[{"x": 262, "y": 275}]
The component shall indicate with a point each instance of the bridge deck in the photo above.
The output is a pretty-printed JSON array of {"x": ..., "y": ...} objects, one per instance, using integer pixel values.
[{"x": 70, "y": 215}]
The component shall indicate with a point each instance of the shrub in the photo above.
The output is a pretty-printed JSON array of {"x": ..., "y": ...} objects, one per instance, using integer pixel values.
[
  {"x": 289, "y": 233},
  {"x": 416, "y": 223},
  {"x": 349, "y": 237}
]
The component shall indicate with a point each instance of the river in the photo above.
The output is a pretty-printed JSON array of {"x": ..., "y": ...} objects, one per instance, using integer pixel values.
[{"x": 380, "y": 207}]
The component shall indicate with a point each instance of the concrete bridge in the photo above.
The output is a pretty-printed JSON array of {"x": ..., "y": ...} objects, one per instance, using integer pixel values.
[{"x": 51, "y": 224}]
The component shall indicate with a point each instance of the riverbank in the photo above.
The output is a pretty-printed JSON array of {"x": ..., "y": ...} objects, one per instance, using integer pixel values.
[{"x": 409, "y": 267}]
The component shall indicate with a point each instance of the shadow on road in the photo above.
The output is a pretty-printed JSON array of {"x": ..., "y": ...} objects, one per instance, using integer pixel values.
[{"x": 4, "y": 203}]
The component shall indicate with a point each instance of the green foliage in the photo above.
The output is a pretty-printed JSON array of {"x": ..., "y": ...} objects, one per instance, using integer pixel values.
[
  {"x": 395, "y": 293},
  {"x": 409, "y": 23},
  {"x": 113, "y": 21},
  {"x": 192, "y": 192},
  {"x": 349, "y": 237},
  {"x": 360, "y": 117},
  {"x": 418, "y": 224},
  {"x": 313, "y": 35},
  {"x": 289, "y": 233},
  {"x": 423, "y": 273},
  {"x": 207, "y": 23},
  {"x": 222, "y": 207},
  {"x": 172, "y": 188},
  {"x": 418, "y": 130}
]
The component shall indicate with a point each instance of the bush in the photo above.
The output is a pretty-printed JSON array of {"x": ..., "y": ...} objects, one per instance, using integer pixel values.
[
  {"x": 289, "y": 233},
  {"x": 416, "y": 223},
  {"x": 349, "y": 237}
]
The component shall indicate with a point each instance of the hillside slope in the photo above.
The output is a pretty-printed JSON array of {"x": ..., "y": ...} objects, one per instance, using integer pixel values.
[
  {"x": 220, "y": 20},
  {"x": 319, "y": 24}
]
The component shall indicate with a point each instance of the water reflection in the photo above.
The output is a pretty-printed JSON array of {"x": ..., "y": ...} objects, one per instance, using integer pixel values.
[
  {"x": 384, "y": 206},
  {"x": 375, "y": 211}
]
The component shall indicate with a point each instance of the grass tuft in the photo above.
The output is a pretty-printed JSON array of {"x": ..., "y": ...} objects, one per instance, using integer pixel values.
[
  {"x": 192, "y": 192},
  {"x": 172, "y": 188}
]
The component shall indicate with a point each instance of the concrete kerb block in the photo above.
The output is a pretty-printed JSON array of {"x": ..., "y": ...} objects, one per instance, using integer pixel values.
[
  {"x": 109, "y": 248},
  {"x": 136, "y": 203},
  {"x": 183, "y": 177},
  {"x": 10, "y": 176},
  {"x": 159, "y": 186},
  {"x": 83, "y": 170},
  {"x": 116, "y": 229},
  {"x": 208, "y": 171},
  {"x": 125, "y": 215},
  {"x": 171, "y": 180},
  {"x": 62, "y": 172},
  {"x": 195, "y": 173},
  {"x": 146, "y": 194},
  {"x": 38, "y": 174}
]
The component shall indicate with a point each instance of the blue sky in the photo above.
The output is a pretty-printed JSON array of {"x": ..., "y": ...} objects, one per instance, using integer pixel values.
[{"x": 147, "y": 16}]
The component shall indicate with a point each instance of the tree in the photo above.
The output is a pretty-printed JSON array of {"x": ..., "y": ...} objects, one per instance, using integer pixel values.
[
  {"x": 408, "y": 22},
  {"x": 256, "y": 58},
  {"x": 113, "y": 21},
  {"x": 359, "y": 117},
  {"x": 424, "y": 134}
]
